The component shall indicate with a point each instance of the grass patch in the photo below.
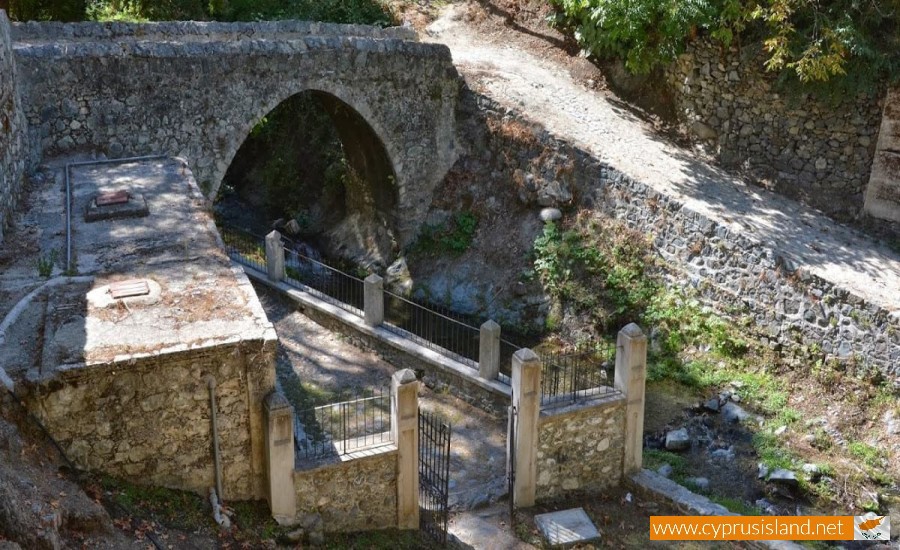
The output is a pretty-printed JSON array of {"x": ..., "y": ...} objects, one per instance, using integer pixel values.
[
  {"x": 655, "y": 458},
  {"x": 737, "y": 506},
  {"x": 176, "y": 509},
  {"x": 452, "y": 237}
]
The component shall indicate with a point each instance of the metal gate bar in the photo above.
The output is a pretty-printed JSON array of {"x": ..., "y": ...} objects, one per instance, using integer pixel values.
[{"x": 434, "y": 475}]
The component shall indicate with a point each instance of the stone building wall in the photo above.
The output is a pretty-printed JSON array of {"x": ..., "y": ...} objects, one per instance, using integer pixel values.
[
  {"x": 581, "y": 447},
  {"x": 12, "y": 128},
  {"x": 196, "y": 90},
  {"x": 806, "y": 149},
  {"x": 147, "y": 418},
  {"x": 356, "y": 495}
]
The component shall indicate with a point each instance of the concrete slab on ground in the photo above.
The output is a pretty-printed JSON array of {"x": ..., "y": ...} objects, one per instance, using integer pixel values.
[
  {"x": 485, "y": 529},
  {"x": 567, "y": 527}
]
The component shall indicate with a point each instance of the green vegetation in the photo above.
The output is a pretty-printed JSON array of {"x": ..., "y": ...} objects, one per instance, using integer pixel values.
[
  {"x": 452, "y": 237},
  {"x": 371, "y": 12},
  {"x": 45, "y": 263},
  {"x": 737, "y": 506},
  {"x": 848, "y": 43},
  {"x": 654, "y": 459}
]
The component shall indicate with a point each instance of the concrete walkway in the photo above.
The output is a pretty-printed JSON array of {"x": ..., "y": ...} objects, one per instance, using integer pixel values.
[{"x": 547, "y": 94}]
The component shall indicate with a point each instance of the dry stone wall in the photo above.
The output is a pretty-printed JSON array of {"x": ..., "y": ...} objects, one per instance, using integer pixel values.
[
  {"x": 356, "y": 495},
  {"x": 147, "y": 419},
  {"x": 12, "y": 128},
  {"x": 581, "y": 447},
  {"x": 811, "y": 150},
  {"x": 196, "y": 90}
]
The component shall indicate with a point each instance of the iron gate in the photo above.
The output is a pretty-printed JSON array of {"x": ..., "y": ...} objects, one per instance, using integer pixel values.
[{"x": 434, "y": 475}]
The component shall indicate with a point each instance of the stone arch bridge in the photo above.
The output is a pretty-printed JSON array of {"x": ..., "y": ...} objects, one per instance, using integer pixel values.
[{"x": 195, "y": 90}]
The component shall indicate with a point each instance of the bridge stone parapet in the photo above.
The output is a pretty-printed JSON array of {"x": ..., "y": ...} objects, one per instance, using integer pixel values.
[{"x": 195, "y": 90}]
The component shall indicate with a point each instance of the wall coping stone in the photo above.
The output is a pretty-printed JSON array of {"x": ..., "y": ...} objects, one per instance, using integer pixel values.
[{"x": 602, "y": 401}]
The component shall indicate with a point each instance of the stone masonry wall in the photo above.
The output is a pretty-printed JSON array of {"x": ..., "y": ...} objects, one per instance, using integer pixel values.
[
  {"x": 148, "y": 419},
  {"x": 792, "y": 309},
  {"x": 196, "y": 90},
  {"x": 12, "y": 128},
  {"x": 581, "y": 447},
  {"x": 807, "y": 149},
  {"x": 356, "y": 495}
]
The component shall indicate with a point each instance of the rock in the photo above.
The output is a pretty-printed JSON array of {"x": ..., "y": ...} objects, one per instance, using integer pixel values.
[
  {"x": 736, "y": 398},
  {"x": 784, "y": 477},
  {"x": 811, "y": 471},
  {"x": 762, "y": 471},
  {"x": 397, "y": 278},
  {"x": 554, "y": 194},
  {"x": 292, "y": 228},
  {"x": 734, "y": 413},
  {"x": 703, "y": 132},
  {"x": 722, "y": 454},
  {"x": 550, "y": 214},
  {"x": 296, "y": 535},
  {"x": 665, "y": 470},
  {"x": 780, "y": 430},
  {"x": 700, "y": 483},
  {"x": 479, "y": 501},
  {"x": 678, "y": 440},
  {"x": 767, "y": 507},
  {"x": 712, "y": 404},
  {"x": 891, "y": 423},
  {"x": 821, "y": 163}
]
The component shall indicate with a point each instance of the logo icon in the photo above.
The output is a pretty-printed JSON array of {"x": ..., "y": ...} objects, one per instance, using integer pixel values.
[{"x": 871, "y": 527}]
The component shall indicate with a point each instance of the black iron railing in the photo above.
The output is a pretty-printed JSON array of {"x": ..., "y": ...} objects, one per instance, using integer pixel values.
[
  {"x": 322, "y": 280},
  {"x": 584, "y": 373},
  {"x": 441, "y": 331},
  {"x": 434, "y": 475},
  {"x": 245, "y": 247},
  {"x": 344, "y": 427}
]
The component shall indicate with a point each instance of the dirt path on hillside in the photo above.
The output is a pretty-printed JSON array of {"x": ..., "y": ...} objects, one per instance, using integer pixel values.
[{"x": 527, "y": 70}]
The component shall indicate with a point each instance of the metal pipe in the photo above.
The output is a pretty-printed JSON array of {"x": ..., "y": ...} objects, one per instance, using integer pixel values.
[
  {"x": 211, "y": 384},
  {"x": 69, "y": 194}
]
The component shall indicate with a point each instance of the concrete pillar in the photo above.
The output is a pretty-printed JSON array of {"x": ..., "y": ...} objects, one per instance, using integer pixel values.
[
  {"x": 280, "y": 458},
  {"x": 373, "y": 300},
  {"x": 526, "y": 390},
  {"x": 275, "y": 256},
  {"x": 405, "y": 434},
  {"x": 489, "y": 351},
  {"x": 631, "y": 375}
]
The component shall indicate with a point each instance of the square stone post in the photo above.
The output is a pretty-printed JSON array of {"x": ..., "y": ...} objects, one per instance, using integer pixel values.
[
  {"x": 526, "y": 391},
  {"x": 631, "y": 375},
  {"x": 280, "y": 458},
  {"x": 405, "y": 434},
  {"x": 373, "y": 300},
  {"x": 275, "y": 256},
  {"x": 489, "y": 351}
]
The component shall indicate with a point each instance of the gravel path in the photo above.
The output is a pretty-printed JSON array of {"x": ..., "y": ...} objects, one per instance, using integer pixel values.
[
  {"x": 326, "y": 366},
  {"x": 544, "y": 91}
]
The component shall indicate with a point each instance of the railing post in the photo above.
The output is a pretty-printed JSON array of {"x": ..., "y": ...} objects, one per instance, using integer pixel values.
[
  {"x": 526, "y": 390},
  {"x": 405, "y": 435},
  {"x": 275, "y": 256},
  {"x": 631, "y": 375},
  {"x": 280, "y": 458},
  {"x": 489, "y": 351},
  {"x": 373, "y": 300}
]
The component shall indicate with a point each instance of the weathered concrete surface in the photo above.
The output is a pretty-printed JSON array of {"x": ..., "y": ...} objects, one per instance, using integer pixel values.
[
  {"x": 12, "y": 128},
  {"x": 122, "y": 384},
  {"x": 883, "y": 193},
  {"x": 581, "y": 447},
  {"x": 567, "y": 527},
  {"x": 358, "y": 494},
  {"x": 195, "y": 90}
]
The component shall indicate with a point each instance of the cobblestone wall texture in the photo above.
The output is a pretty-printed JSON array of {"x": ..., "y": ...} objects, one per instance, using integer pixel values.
[
  {"x": 732, "y": 270},
  {"x": 580, "y": 449},
  {"x": 357, "y": 495},
  {"x": 811, "y": 150},
  {"x": 196, "y": 90},
  {"x": 148, "y": 419},
  {"x": 12, "y": 129}
]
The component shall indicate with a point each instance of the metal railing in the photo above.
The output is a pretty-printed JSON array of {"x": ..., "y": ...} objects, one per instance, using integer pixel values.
[
  {"x": 568, "y": 377},
  {"x": 344, "y": 427},
  {"x": 322, "y": 280},
  {"x": 442, "y": 331},
  {"x": 244, "y": 247}
]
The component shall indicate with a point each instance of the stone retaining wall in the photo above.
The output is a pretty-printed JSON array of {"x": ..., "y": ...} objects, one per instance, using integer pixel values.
[
  {"x": 147, "y": 418},
  {"x": 807, "y": 149},
  {"x": 12, "y": 129},
  {"x": 734, "y": 271},
  {"x": 359, "y": 494},
  {"x": 581, "y": 447}
]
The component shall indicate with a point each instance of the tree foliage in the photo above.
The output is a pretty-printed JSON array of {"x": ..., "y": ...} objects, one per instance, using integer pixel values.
[{"x": 805, "y": 40}]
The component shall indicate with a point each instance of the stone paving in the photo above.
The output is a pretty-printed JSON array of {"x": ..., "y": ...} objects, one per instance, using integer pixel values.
[{"x": 548, "y": 95}]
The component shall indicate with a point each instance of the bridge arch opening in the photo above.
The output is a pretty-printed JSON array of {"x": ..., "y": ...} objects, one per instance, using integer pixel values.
[{"x": 314, "y": 168}]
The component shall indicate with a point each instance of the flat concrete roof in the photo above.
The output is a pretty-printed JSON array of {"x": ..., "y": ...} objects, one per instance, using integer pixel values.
[{"x": 196, "y": 299}]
